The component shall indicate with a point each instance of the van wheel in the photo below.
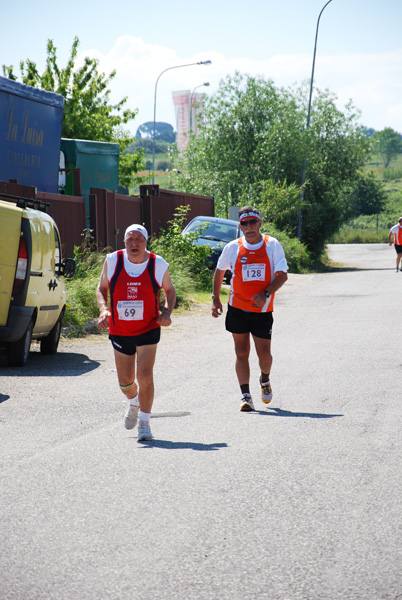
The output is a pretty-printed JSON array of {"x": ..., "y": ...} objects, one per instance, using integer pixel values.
[
  {"x": 50, "y": 343},
  {"x": 18, "y": 352}
]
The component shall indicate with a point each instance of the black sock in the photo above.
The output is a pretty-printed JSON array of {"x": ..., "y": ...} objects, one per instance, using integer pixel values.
[
  {"x": 264, "y": 377},
  {"x": 245, "y": 388}
]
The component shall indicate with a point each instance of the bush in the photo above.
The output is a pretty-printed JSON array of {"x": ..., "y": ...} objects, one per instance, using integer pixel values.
[
  {"x": 297, "y": 256},
  {"x": 81, "y": 302},
  {"x": 163, "y": 165},
  {"x": 181, "y": 253}
]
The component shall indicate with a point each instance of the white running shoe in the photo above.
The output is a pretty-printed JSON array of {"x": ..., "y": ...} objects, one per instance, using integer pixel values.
[
  {"x": 131, "y": 417},
  {"x": 247, "y": 403},
  {"x": 144, "y": 431},
  {"x": 266, "y": 391}
]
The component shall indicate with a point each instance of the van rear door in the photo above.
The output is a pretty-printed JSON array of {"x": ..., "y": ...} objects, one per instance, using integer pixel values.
[
  {"x": 10, "y": 233},
  {"x": 46, "y": 289}
]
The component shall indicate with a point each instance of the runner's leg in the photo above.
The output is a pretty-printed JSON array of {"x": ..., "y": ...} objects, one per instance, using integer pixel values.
[
  {"x": 125, "y": 366},
  {"x": 242, "y": 351},
  {"x": 263, "y": 349},
  {"x": 145, "y": 375}
]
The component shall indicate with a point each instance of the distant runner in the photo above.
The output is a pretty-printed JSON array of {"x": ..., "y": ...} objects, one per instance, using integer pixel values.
[{"x": 396, "y": 231}]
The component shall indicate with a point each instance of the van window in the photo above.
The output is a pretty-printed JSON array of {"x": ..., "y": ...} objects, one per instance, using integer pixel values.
[
  {"x": 47, "y": 246},
  {"x": 36, "y": 264},
  {"x": 57, "y": 252}
]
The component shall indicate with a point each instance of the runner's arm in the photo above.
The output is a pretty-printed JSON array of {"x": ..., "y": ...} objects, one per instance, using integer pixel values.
[
  {"x": 101, "y": 298},
  {"x": 170, "y": 300},
  {"x": 278, "y": 281},
  {"x": 217, "y": 307},
  {"x": 280, "y": 278}
]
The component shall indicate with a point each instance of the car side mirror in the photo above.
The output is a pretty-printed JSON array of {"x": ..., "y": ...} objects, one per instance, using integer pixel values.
[{"x": 68, "y": 268}]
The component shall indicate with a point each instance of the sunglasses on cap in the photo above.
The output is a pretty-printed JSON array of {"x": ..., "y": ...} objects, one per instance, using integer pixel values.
[{"x": 248, "y": 222}]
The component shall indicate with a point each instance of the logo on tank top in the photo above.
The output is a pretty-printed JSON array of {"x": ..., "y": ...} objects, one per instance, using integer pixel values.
[
  {"x": 132, "y": 291},
  {"x": 243, "y": 259}
]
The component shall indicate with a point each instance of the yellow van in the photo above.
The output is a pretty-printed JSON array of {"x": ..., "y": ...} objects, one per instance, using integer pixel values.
[{"x": 32, "y": 290}]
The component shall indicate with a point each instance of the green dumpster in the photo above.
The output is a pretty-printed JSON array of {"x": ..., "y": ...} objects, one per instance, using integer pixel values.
[{"x": 98, "y": 163}]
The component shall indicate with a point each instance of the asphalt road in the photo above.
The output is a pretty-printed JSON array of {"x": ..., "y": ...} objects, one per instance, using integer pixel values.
[{"x": 301, "y": 500}]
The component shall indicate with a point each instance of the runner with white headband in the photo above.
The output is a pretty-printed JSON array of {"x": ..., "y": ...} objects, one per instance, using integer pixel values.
[{"x": 132, "y": 278}]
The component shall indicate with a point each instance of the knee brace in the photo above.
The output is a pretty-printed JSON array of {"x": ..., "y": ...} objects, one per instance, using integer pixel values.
[{"x": 126, "y": 387}]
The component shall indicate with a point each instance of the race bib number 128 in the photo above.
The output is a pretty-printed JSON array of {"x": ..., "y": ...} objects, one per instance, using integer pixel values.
[
  {"x": 254, "y": 272},
  {"x": 130, "y": 310}
]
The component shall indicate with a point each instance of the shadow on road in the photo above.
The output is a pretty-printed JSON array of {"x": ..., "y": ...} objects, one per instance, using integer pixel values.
[
  {"x": 166, "y": 445},
  {"x": 63, "y": 364},
  {"x": 171, "y": 414},
  {"x": 278, "y": 412},
  {"x": 4, "y": 397}
]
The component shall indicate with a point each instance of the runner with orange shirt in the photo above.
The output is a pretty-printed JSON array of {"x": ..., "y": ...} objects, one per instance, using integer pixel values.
[
  {"x": 259, "y": 269},
  {"x": 396, "y": 231}
]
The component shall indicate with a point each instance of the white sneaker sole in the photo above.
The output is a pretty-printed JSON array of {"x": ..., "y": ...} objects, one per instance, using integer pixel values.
[
  {"x": 144, "y": 436},
  {"x": 265, "y": 400},
  {"x": 130, "y": 423}
]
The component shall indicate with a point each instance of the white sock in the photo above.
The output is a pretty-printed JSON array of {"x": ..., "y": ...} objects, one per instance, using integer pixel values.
[
  {"x": 134, "y": 401},
  {"x": 144, "y": 416}
]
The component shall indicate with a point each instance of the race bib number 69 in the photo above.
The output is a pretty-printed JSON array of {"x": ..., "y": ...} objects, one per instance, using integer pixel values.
[
  {"x": 130, "y": 310},
  {"x": 255, "y": 272}
]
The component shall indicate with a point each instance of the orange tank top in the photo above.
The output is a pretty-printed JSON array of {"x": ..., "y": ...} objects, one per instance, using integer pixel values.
[
  {"x": 252, "y": 274},
  {"x": 398, "y": 236}
]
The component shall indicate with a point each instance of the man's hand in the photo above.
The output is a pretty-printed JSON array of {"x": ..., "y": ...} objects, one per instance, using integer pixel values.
[
  {"x": 217, "y": 308},
  {"x": 103, "y": 320},
  {"x": 259, "y": 300},
  {"x": 164, "y": 318}
]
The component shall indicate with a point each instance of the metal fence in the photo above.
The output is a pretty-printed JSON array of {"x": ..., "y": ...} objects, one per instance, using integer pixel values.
[
  {"x": 159, "y": 206},
  {"x": 110, "y": 214},
  {"x": 69, "y": 214}
]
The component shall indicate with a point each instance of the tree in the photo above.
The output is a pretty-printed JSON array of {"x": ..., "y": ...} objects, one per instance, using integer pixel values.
[
  {"x": 368, "y": 131},
  {"x": 388, "y": 143},
  {"x": 88, "y": 113},
  {"x": 163, "y": 131},
  {"x": 254, "y": 136},
  {"x": 367, "y": 195}
]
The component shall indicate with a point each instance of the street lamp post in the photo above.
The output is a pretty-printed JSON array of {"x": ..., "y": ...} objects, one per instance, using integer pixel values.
[
  {"x": 201, "y": 62},
  {"x": 191, "y": 101},
  {"x": 299, "y": 221}
]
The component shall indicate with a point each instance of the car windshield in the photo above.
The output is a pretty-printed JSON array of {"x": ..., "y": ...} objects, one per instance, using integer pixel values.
[{"x": 224, "y": 232}]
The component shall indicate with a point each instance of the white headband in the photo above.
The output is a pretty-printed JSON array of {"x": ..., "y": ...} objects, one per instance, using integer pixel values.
[
  {"x": 249, "y": 214},
  {"x": 135, "y": 227}
]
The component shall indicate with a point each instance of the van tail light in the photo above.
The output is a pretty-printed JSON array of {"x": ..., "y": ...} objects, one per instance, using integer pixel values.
[{"x": 22, "y": 268}]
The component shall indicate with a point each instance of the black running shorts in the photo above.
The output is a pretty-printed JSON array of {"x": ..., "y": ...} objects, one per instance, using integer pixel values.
[
  {"x": 127, "y": 344},
  {"x": 398, "y": 248},
  {"x": 241, "y": 321}
]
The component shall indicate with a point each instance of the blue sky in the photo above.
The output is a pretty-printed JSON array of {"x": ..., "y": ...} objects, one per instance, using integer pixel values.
[{"x": 359, "y": 52}]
